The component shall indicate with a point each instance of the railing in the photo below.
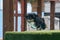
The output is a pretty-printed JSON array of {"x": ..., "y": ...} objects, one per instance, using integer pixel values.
[
  {"x": 8, "y": 14},
  {"x": 9, "y": 11}
]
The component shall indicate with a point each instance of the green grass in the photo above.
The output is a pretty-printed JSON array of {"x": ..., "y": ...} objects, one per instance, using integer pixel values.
[{"x": 33, "y": 35}]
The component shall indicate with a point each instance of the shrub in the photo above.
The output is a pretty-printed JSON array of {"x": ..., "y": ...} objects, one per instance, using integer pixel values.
[{"x": 33, "y": 35}]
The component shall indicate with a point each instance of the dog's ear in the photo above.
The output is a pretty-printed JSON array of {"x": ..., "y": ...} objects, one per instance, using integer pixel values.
[
  {"x": 34, "y": 15},
  {"x": 26, "y": 16}
]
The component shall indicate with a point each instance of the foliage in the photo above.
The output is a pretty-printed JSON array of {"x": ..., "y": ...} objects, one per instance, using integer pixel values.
[{"x": 33, "y": 35}]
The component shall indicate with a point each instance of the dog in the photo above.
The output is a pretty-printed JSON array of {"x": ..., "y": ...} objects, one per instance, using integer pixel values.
[{"x": 39, "y": 22}]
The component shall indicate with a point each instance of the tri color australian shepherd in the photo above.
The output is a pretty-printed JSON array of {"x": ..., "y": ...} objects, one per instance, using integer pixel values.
[{"x": 39, "y": 22}]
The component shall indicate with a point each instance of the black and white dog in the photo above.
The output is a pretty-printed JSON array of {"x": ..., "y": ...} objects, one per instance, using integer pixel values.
[{"x": 39, "y": 22}]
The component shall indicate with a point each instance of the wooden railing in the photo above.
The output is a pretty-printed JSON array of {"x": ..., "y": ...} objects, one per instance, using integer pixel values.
[{"x": 8, "y": 14}]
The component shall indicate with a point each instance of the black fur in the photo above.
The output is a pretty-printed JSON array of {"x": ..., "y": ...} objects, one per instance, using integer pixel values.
[{"x": 39, "y": 22}]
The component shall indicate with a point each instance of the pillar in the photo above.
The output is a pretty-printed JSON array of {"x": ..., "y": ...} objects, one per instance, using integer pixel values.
[
  {"x": 52, "y": 14},
  {"x": 23, "y": 13}
]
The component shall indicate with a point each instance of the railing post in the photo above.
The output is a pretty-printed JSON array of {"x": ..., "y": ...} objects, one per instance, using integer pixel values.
[
  {"x": 8, "y": 19},
  {"x": 16, "y": 25},
  {"x": 52, "y": 14},
  {"x": 40, "y": 7},
  {"x": 23, "y": 11}
]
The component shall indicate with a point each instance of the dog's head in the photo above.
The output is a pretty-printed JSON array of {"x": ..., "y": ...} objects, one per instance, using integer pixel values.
[{"x": 30, "y": 16}]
